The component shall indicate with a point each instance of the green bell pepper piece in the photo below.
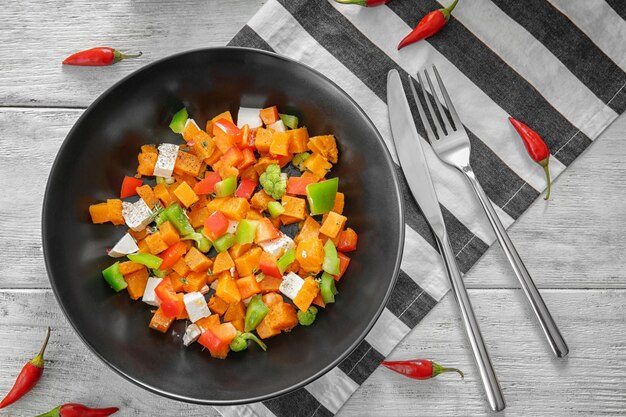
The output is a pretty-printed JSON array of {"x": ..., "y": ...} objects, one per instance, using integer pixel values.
[
  {"x": 175, "y": 214},
  {"x": 321, "y": 195},
  {"x": 327, "y": 288},
  {"x": 275, "y": 209},
  {"x": 224, "y": 242},
  {"x": 240, "y": 342},
  {"x": 226, "y": 187},
  {"x": 160, "y": 274},
  {"x": 246, "y": 231},
  {"x": 113, "y": 276},
  {"x": 331, "y": 259},
  {"x": 299, "y": 158},
  {"x": 202, "y": 242},
  {"x": 286, "y": 260},
  {"x": 178, "y": 121},
  {"x": 255, "y": 313},
  {"x": 147, "y": 259},
  {"x": 289, "y": 120}
]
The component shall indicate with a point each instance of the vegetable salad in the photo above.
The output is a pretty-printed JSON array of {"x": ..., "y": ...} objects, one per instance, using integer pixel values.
[{"x": 237, "y": 230}]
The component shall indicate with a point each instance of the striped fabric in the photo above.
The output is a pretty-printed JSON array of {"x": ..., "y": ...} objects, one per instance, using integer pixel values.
[{"x": 559, "y": 65}]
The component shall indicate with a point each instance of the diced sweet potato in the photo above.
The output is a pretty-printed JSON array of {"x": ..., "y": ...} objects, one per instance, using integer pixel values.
[
  {"x": 235, "y": 208},
  {"x": 294, "y": 207},
  {"x": 163, "y": 194},
  {"x": 181, "y": 267},
  {"x": 99, "y": 213},
  {"x": 310, "y": 230},
  {"x": 260, "y": 199},
  {"x": 263, "y": 163},
  {"x": 202, "y": 144},
  {"x": 324, "y": 145},
  {"x": 114, "y": 207},
  {"x": 263, "y": 140},
  {"x": 138, "y": 235},
  {"x": 238, "y": 249},
  {"x": 317, "y": 165},
  {"x": 310, "y": 255},
  {"x": 160, "y": 321},
  {"x": 197, "y": 216},
  {"x": 197, "y": 261},
  {"x": 265, "y": 331},
  {"x": 280, "y": 144},
  {"x": 339, "y": 203},
  {"x": 187, "y": 163},
  {"x": 223, "y": 262},
  {"x": 185, "y": 194},
  {"x": 239, "y": 324},
  {"x": 147, "y": 161},
  {"x": 254, "y": 214},
  {"x": 248, "y": 263},
  {"x": 298, "y": 140},
  {"x": 235, "y": 311},
  {"x": 143, "y": 246},
  {"x": 147, "y": 195},
  {"x": 136, "y": 283},
  {"x": 129, "y": 267},
  {"x": 270, "y": 284},
  {"x": 155, "y": 243},
  {"x": 217, "y": 305},
  {"x": 282, "y": 316},
  {"x": 333, "y": 224},
  {"x": 169, "y": 234},
  {"x": 307, "y": 294},
  {"x": 248, "y": 286},
  {"x": 272, "y": 298},
  {"x": 227, "y": 288},
  {"x": 285, "y": 220},
  {"x": 207, "y": 322},
  {"x": 178, "y": 281},
  {"x": 195, "y": 281},
  {"x": 216, "y": 204}
]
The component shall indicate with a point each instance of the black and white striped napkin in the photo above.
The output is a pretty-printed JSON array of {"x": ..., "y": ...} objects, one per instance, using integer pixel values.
[{"x": 558, "y": 65}]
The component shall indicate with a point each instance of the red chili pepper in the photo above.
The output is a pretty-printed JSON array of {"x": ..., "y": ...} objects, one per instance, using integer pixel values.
[
  {"x": 419, "y": 368},
  {"x": 97, "y": 57},
  {"x": 536, "y": 148},
  {"x": 79, "y": 410},
  {"x": 430, "y": 24},
  {"x": 28, "y": 376},
  {"x": 366, "y": 3}
]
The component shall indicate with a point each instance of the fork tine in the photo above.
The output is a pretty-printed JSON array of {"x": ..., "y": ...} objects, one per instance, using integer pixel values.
[
  {"x": 455, "y": 117},
  {"x": 433, "y": 115},
  {"x": 420, "y": 109},
  {"x": 442, "y": 113}
]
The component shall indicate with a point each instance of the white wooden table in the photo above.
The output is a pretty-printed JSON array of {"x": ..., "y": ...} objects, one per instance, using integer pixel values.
[{"x": 574, "y": 244}]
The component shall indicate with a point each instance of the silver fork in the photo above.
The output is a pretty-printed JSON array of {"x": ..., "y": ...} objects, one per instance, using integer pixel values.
[{"x": 452, "y": 146}]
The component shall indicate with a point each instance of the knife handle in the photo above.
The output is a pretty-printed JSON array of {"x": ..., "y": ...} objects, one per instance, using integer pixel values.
[
  {"x": 481, "y": 355},
  {"x": 548, "y": 325}
]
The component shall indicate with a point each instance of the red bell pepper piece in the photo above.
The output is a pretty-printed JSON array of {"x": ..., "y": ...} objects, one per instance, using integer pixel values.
[
  {"x": 207, "y": 185},
  {"x": 269, "y": 115},
  {"x": 129, "y": 186},
  {"x": 248, "y": 159},
  {"x": 215, "y": 225},
  {"x": 344, "y": 261},
  {"x": 266, "y": 231},
  {"x": 171, "y": 302},
  {"x": 172, "y": 254},
  {"x": 232, "y": 157},
  {"x": 269, "y": 266},
  {"x": 297, "y": 185},
  {"x": 347, "y": 240},
  {"x": 226, "y": 131},
  {"x": 217, "y": 339},
  {"x": 246, "y": 188}
]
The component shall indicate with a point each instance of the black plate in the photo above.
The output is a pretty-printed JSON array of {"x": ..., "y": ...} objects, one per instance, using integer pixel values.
[{"x": 102, "y": 147}]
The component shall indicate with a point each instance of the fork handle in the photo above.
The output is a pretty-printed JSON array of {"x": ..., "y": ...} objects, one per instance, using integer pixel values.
[
  {"x": 481, "y": 355},
  {"x": 548, "y": 325}
]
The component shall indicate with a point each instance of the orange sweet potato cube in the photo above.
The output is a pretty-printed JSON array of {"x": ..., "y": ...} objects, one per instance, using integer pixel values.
[
  {"x": 307, "y": 294},
  {"x": 227, "y": 288},
  {"x": 99, "y": 213},
  {"x": 155, "y": 243},
  {"x": 294, "y": 207},
  {"x": 260, "y": 200},
  {"x": 223, "y": 262},
  {"x": 197, "y": 261},
  {"x": 263, "y": 140},
  {"x": 248, "y": 263},
  {"x": 263, "y": 163},
  {"x": 178, "y": 281},
  {"x": 217, "y": 305},
  {"x": 298, "y": 140},
  {"x": 238, "y": 249},
  {"x": 187, "y": 163},
  {"x": 195, "y": 281},
  {"x": 136, "y": 283},
  {"x": 235, "y": 208},
  {"x": 129, "y": 267},
  {"x": 147, "y": 161},
  {"x": 248, "y": 286},
  {"x": 207, "y": 322},
  {"x": 333, "y": 224},
  {"x": 310, "y": 255},
  {"x": 339, "y": 203},
  {"x": 163, "y": 194},
  {"x": 169, "y": 234},
  {"x": 282, "y": 316},
  {"x": 147, "y": 195},
  {"x": 280, "y": 144},
  {"x": 326, "y": 146},
  {"x": 143, "y": 246},
  {"x": 181, "y": 267},
  {"x": 238, "y": 324},
  {"x": 235, "y": 311},
  {"x": 160, "y": 321},
  {"x": 138, "y": 235},
  {"x": 115, "y": 211},
  {"x": 197, "y": 216},
  {"x": 185, "y": 194},
  {"x": 265, "y": 331},
  {"x": 317, "y": 165},
  {"x": 216, "y": 204},
  {"x": 310, "y": 230}
]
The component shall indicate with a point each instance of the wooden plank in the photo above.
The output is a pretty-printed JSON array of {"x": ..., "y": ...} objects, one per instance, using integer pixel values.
[
  {"x": 590, "y": 381},
  {"x": 38, "y": 34},
  {"x": 574, "y": 240}
]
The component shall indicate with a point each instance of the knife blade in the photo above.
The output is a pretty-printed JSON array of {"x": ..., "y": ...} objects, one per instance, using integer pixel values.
[{"x": 411, "y": 154}]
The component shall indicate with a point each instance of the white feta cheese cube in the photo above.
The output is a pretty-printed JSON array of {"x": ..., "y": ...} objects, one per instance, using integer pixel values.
[
  {"x": 278, "y": 246},
  {"x": 278, "y": 126},
  {"x": 149, "y": 296},
  {"x": 166, "y": 160},
  {"x": 136, "y": 215},
  {"x": 196, "y": 306},
  {"x": 232, "y": 226},
  {"x": 250, "y": 117},
  {"x": 192, "y": 333},
  {"x": 291, "y": 285},
  {"x": 124, "y": 246}
]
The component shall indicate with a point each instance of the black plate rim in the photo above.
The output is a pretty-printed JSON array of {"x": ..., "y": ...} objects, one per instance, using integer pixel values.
[{"x": 45, "y": 219}]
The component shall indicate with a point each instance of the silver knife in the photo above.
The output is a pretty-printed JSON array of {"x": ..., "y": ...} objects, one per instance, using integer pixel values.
[{"x": 411, "y": 155}]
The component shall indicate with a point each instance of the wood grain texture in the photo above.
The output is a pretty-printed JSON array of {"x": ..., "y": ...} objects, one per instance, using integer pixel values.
[{"x": 38, "y": 34}]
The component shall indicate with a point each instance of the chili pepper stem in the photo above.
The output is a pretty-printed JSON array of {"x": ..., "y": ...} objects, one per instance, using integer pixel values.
[
  {"x": 448, "y": 10},
  {"x": 358, "y": 2},
  {"x": 55, "y": 412},
  {"x": 545, "y": 164},
  {"x": 438, "y": 369},
  {"x": 118, "y": 56},
  {"x": 38, "y": 360}
]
